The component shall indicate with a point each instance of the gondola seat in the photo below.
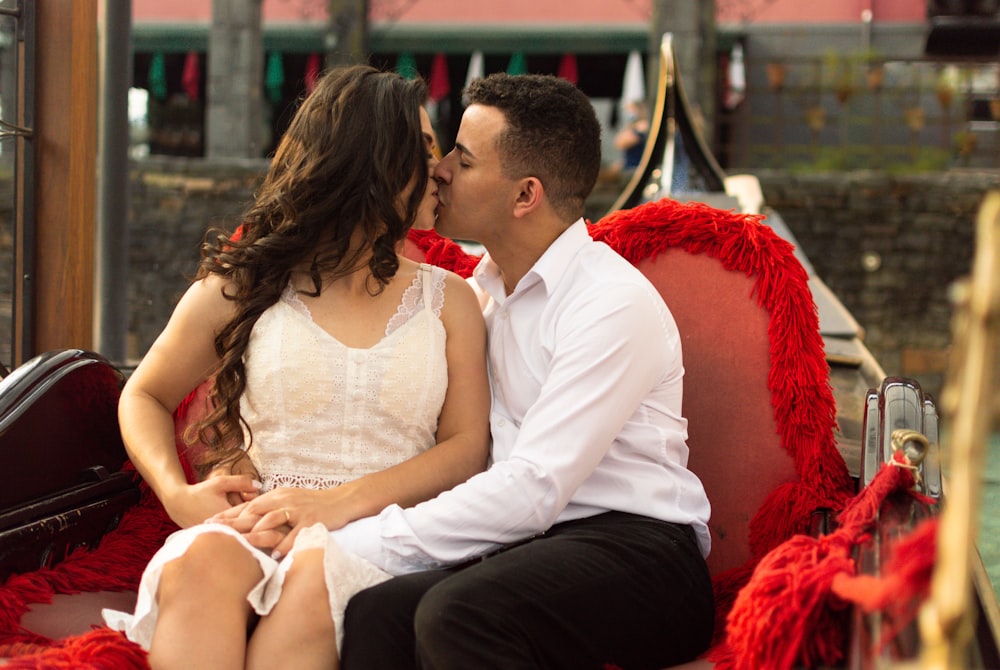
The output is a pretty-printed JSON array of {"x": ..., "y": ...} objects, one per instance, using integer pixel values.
[
  {"x": 760, "y": 409},
  {"x": 757, "y": 396}
]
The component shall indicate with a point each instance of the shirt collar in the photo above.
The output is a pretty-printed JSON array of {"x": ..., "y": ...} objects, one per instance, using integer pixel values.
[{"x": 548, "y": 269}]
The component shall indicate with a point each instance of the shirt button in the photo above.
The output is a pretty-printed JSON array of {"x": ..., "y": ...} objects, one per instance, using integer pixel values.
[{"x": 501, "y": 422}]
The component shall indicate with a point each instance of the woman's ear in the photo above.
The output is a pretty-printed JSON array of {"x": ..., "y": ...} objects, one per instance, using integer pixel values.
[{"x": 530, "y": 196}]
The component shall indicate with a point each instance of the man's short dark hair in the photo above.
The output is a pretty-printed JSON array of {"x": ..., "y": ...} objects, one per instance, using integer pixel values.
[{"x": 552, "y": 134}]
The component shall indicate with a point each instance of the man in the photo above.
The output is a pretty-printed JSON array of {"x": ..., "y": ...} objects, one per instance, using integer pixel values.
[{"x": 591, "y": 529}]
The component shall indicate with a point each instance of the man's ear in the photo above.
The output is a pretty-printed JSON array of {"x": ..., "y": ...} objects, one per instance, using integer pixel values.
[{"x": 530, "y": 196}]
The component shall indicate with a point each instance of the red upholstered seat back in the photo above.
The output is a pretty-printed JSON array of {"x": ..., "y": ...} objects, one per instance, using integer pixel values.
[
  {"x": 757, "y": 397},
  {"x": 734, "y": 444}
]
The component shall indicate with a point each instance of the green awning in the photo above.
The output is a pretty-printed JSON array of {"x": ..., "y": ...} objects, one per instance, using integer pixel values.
[{"x": 170, "y": 37}]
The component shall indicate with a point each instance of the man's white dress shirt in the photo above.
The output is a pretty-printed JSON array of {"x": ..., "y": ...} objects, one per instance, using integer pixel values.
[{"x": 585, "y": 366}]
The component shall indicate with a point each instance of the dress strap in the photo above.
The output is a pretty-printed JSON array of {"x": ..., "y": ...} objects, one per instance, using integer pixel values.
[
  {"x": 426, "y": 291},
  {"x": 427, "y": 284}
]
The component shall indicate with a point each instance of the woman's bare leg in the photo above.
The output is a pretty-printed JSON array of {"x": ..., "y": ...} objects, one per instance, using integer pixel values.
[
  {"x": 203, "y": 605},
  {"x": 300, "y": 627}
]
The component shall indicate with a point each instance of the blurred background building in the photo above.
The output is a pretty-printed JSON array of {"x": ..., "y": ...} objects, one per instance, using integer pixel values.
[{"x": 834, "y": 84}]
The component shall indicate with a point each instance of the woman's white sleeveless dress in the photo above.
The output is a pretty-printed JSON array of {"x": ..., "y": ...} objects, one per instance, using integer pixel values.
[{"x": 321, "y": 414}]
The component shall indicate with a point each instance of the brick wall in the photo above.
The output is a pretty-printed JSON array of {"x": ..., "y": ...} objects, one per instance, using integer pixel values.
[{"x": 173, "y": 202}]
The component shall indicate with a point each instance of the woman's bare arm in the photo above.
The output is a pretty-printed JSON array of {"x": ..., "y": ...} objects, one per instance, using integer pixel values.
[{"x": 180, "y": 358}]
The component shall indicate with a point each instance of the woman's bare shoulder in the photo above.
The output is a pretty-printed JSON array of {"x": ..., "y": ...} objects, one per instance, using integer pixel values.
[
  {"x": 206, "y": 298},
  {"x": 461, "y": 304}
]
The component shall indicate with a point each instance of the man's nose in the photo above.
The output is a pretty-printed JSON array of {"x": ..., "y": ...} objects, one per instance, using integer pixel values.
[{"x": 439, "y": 171}]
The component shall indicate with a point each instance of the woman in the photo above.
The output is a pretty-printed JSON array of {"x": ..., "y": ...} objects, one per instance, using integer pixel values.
[{"x": 337, "y": 365}]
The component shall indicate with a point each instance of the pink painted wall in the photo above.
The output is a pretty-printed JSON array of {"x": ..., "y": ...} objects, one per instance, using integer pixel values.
[
  {"x": 819, "y": 11},
  {"x": 549, "y": 11}
]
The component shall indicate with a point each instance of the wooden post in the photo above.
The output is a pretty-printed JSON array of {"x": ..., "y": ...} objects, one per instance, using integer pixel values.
[{"x": 66, "y": 141}]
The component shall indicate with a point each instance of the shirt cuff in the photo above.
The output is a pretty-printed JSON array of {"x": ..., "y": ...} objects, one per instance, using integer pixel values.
[{"x": 362, "y": 537}]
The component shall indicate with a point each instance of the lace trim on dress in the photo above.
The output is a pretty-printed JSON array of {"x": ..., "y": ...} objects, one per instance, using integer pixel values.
[
  {"x": 291, "y": 296},
  {"x": 315, "y": 482},
  {"x": 413, "y": 298},
  {"x": 411, "y": 304}
]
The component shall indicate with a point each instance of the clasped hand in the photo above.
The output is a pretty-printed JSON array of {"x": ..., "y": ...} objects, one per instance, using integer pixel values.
[
  {"x": 273, "y": 520},
  {"x": 226, "y": 485}
]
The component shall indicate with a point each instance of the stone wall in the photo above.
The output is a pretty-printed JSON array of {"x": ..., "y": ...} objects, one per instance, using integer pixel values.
[
  {"x": 888, "y": 246},
  {"x": 173, "y": 202}
]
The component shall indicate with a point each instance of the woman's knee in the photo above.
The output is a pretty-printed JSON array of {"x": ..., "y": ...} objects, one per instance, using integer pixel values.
[
  {"x": 212, "y": 563},
  {"x": 305, "y": 589}
]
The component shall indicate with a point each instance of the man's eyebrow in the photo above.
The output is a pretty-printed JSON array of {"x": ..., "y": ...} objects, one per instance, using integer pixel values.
[{"x": 464, "y": 149}]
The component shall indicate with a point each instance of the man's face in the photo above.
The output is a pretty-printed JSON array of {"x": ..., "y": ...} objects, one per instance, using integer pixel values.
[{"x": 475, "y": 197}]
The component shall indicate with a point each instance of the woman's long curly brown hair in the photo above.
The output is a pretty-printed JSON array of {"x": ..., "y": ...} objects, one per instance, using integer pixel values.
[{"x": 339, "y": 172}]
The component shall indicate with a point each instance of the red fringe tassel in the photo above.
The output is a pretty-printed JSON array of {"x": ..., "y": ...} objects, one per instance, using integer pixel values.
[
  {"x": 793, "y": 610},
  {"x": 444, "y": 253},
  {"x": 116, "y": 564},
  {"x": 904, "y": 583}
]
